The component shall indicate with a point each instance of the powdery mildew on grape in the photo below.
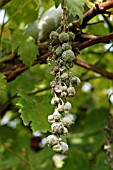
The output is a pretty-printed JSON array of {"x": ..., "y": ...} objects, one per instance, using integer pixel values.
[{"x": 63, "y": 85}]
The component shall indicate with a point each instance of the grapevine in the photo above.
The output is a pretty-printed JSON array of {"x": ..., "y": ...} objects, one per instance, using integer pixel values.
[{"x": 63, "y": 84}]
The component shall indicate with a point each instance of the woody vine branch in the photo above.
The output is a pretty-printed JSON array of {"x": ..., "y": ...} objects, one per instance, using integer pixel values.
[{"x": 14, "y": 68}]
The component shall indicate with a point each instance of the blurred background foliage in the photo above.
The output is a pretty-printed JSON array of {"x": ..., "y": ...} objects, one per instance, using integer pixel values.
[{"x": 26, "y": 99}]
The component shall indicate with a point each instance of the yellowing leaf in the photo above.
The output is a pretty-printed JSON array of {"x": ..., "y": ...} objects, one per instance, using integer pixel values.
[{"x": 89, "y": 4}]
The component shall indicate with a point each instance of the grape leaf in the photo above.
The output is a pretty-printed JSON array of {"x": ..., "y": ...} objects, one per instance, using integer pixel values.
[
  {"x": 11, "y": 133},
  {"x": 6, "y": 45},
  {"x": 8, "y": 162},
  {"x": 76, "y": 7},
  {"x": 100, "y": 163},
  {"x": 28, "y": 51},
  {"x": 23, "y": 16},
  {"x": 35, "y": 111},
  {"x": 57, "y": 3},
  {"x": 77, "y": 158},
  {"x": 25, "y": 44},
  {"x": 16, "y": 40},
  {"x": 45, "y": 162}
]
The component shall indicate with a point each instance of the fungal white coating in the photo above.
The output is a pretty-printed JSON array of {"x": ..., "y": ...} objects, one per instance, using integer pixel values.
[{"x": 63, "y": 86}]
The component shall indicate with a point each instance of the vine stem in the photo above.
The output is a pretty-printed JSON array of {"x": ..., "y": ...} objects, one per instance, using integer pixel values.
[
  {"x": 93, "y": 68},
  {"x": 93, "y": 41},
  {"x": 7, "y": 57},
  {"x": 99, "y": 9},
  {"x": 19, "y": 68},
  {"x": 3, "y": 2}
]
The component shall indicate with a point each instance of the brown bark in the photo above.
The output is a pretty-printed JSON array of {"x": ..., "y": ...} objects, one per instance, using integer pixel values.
[
  {"x": 99, "y": 9},
  {"x": 91, "y": 67},
  {"x": 3, "y": 2}
]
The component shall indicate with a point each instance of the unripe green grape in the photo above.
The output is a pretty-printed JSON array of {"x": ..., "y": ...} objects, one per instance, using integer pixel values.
[
  {"x": 58, "y": 51},
  {"x": 68, "y": 55},
  {"x": 71, "y": 36},
  {"x": 57, "y": 148},
  {"x": 69, "y": 64},
  {"x": 63, "y": 37},
  {"x": 54, "y": 35},
  {"x": 66, "y": 46},
  {"x": 61, "y": 147}
]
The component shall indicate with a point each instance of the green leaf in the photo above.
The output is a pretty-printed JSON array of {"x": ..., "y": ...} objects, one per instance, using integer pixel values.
[
  {"x": 35, "y": 111},
  {"x": 28, "y": 51},
  {"x": 16, "y": 40},
  {"x": 76, "y": 160},
  {"x": 8, "y": 162},
  {"x": 57, "y": 3},
  {"x": 92, "y": 124},
  {"x": 21, "y": 11},
  {"x": 76, "y": 7},
  {"x": 26, "y": 47},
  {"x": 30, "y": 78},
  {"x": 6, "y": 45},
  {"x": 13, "y": 155},
  {"x": 42, "y": 160},
  {"x": 100, "y": 162},
  {"x": 11, "y": 133}
]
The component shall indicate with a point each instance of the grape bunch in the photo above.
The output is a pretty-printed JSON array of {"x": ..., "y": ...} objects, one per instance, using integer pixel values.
[{"x": 63, "y": 86}]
